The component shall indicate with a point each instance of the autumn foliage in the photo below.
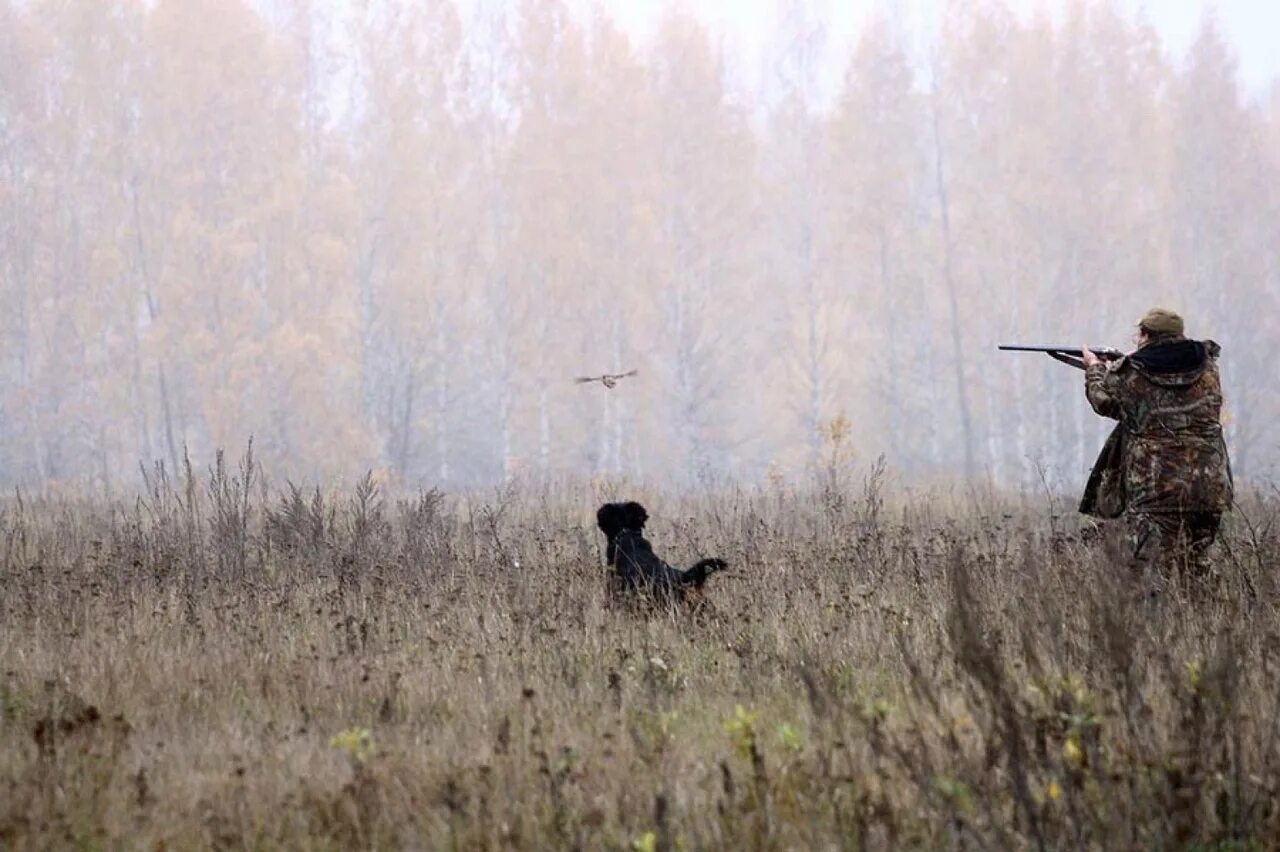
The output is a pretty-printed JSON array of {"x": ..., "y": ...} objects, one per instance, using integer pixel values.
[{"x": 389, "y": 239}]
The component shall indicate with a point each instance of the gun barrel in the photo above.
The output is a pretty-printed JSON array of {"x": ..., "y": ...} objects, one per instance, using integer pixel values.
[{"x": 1074, "y": 351}]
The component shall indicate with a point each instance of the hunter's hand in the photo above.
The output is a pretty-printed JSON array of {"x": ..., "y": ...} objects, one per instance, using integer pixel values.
[{"x": 1088, "y": 357}]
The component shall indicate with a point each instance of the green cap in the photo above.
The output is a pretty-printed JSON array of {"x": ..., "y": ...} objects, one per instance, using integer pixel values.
[{"x": 1161, "y": 321}]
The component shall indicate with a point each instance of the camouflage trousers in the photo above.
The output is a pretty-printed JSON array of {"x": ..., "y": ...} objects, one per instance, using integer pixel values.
[{"x": 1172, "y": 546}]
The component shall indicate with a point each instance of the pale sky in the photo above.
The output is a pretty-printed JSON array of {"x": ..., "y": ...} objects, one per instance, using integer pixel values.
[{"x": 745, "y": 26}]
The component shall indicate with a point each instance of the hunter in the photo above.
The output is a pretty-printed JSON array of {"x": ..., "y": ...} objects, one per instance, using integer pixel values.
[{"x": 1164, "y": 468}]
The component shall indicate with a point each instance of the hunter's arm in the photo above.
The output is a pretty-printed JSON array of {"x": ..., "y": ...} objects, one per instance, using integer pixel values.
[{"x": 1100, "y": 389}]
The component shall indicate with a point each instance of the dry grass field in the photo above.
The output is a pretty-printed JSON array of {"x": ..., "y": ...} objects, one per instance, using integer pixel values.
[{"x": 220, "y": 664}]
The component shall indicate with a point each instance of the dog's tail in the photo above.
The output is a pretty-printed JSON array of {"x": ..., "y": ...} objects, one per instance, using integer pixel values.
[{"x": 698, "y": 574}]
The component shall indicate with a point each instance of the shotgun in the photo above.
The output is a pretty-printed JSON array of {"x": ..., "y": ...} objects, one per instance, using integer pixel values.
[{"x": 1071, "y": 355}]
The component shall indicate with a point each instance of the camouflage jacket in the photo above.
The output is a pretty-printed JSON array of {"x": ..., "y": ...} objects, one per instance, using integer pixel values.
[{"x": 1167, "y": 453}]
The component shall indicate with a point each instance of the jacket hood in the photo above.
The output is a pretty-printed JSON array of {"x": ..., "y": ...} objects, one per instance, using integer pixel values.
[{"x": 1175, "y": 362}]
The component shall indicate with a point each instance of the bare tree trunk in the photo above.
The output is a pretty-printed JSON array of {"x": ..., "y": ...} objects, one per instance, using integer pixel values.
[
  {"x": 813, "y": 346},
  {"x": 995, "y": 458},
  {"x": 544, "y": 430},
  {"x": 893, "y": 407},
  {"x": 19, "y": 307},
  {"x": 604, "y": 446},
  {"x": 365, "y": 267},
  {"x": 33, "y": 423},
  {"x": 953, "y": 304},
  {"x": 153, "y": 311},
  {"x": 170, "y": 443},
  {"x": 406, "y": 423},
  {"x": 685, "y": 409},
  {"x": 143, "y": 425},
  {"x": 504, "y": 419},
  {"x": 619, "y": 437},
  {"x": 613, "y": 427},
  {"x": 505, "y": 375},
  {"x": 544, "y": 411},
  {"x": 1019, "y": 407},
  {"x": 442, "y": 396}
]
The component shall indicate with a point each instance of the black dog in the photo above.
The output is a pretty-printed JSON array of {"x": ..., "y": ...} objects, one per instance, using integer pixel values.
[{"x": 638, "y": 567}]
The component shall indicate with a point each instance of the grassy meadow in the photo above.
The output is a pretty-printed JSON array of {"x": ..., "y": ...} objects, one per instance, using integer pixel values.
[{"x": 220, "y": 663}]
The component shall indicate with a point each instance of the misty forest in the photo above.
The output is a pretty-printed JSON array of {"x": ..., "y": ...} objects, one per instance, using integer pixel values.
[{"x": 389, "y": 238}]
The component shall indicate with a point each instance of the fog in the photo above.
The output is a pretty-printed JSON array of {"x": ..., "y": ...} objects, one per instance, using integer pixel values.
[{"x": 391, "y": 239}]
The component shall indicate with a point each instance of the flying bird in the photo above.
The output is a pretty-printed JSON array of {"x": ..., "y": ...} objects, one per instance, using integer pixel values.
[{"x": 609, "y": 380}]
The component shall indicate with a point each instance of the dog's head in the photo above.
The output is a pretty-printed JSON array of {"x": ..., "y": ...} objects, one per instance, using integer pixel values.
[{"x": 613, "y": 518}]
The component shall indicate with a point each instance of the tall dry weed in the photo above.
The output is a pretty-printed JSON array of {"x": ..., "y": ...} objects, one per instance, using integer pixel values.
[{"x": 220, "y": 662}]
